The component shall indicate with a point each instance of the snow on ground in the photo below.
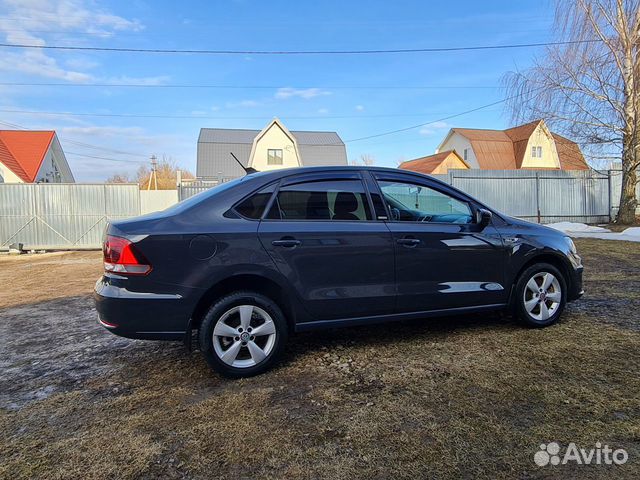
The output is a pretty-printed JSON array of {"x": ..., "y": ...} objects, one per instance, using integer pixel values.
[{"x": 582, "y": 230}]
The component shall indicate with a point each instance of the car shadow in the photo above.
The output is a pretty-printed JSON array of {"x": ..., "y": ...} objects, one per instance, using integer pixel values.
[{"x": 383, "y": 334}]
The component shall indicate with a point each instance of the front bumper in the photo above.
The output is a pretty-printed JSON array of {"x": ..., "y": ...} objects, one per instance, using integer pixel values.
[
  {"x": 575, "y": 290},
  {"x": 150, "y": 316}
]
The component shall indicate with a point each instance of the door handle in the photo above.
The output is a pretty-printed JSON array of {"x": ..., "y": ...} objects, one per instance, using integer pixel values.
[
  {"x": 408, "y": 242},
  {"x": 288, "y": 243}
]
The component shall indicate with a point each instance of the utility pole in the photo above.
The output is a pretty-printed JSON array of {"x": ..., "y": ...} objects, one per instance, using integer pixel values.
[{"x": 154, "y": 176}]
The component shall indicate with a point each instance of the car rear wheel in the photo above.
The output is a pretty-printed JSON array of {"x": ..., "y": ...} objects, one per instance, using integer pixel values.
[
  {"x": 243, "y": 334},
  {"x": 540, "y": 295}
]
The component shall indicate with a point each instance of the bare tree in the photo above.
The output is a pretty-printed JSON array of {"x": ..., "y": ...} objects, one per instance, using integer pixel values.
[
  {"x": 365, "y": 159},
  {"x": 166, "y": 171},
  {"x": 588, "y": 89},
  {"x": 119, "y": 178}
]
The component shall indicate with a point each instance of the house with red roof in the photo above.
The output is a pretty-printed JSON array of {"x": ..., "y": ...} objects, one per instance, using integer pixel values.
[
  {"x": 28, "y": 156},
  {"x": 528, "y": 146}
]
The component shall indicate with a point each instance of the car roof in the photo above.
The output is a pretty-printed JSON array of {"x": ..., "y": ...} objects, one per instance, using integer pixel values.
[{"x": 285, "y": 172}]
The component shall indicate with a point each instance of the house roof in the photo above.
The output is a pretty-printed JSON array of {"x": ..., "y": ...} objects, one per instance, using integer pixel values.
[
  {"x": 23, "y": 151},
  {"x": 214, "y": 145},
  {"x": 506, "y": 149},
  {"x": 230, "y": 135},
  {"x": 429, "y": 163},
  {"x": 571, "y": 157}
]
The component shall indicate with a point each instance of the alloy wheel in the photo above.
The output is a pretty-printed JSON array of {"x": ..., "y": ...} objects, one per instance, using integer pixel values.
[
  {"x": 542, "y": 296},
  {"x": 244, "y": 336}
]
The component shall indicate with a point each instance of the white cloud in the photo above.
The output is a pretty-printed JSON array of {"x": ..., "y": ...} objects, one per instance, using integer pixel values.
[
  {"x": 98, "y": 131},
  {"x": 306, "y": 93},
  {"x": 360, "y": 108},
  {"x": 323, "y": 111},
  {"x": 158, "y": 80},
  {"x": 434, "y": 128},
  {"x": 25, "y": 20},
  {"x": 243, "y": 104},
  {"x": 35, "y": 62}
]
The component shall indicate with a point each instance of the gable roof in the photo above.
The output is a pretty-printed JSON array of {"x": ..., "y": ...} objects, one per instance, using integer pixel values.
[
  {"x": 429, "y": 163},
  {"x": 520, "y": 137},
  {"x": 263, "y": 132},
  {"x": 315, "y": 148},
  {"x": 23, "y": 151},
  {"x": 231, "y": 135},
  {"x": 506, "y": 149},
  {"x": 569, "y": 153}
]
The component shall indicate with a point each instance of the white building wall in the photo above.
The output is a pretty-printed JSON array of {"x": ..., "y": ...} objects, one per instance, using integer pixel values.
[
  {"x": 7, "y": 176},
  {"x": 54, "y": 168},
  {"x": 274, "y": 138},
  {"x": 541, "y": 137},
  {"x": 459, "y": 143}
]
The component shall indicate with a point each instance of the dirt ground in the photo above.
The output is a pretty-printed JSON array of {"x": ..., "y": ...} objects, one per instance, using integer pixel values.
[{"x": 467, "y": 397}]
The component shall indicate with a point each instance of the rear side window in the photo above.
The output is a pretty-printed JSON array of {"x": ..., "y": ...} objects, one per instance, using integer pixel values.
[
  {"x": 253, "y": 206},
  {"x": 325, "y": 200}
]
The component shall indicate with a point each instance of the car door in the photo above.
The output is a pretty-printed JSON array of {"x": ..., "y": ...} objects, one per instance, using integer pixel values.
[
  {"x": 443, "y": 259},
  {"x": 320, "y": 232}
]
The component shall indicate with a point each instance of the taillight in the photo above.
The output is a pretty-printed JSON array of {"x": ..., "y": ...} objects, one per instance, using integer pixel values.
[{"x": 121, "y": 256}]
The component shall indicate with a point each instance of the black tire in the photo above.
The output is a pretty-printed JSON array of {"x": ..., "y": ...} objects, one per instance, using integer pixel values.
[
  {"x": 227, "y": 304},
  {"x": 535, "y": 318}
]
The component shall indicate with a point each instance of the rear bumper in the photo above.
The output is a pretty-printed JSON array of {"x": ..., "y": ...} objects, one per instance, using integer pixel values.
[{"x": 149, "y": 316}]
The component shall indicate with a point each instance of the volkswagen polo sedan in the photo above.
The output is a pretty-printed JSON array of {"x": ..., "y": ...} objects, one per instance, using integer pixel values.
[{"x": 249, "y": 262}]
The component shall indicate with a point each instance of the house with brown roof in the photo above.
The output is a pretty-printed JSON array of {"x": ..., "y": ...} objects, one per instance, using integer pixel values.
[
  {"x": 528, "y": 146},
  {"x": 440, "y": 162},
  {"x": 28, "y": 156}
]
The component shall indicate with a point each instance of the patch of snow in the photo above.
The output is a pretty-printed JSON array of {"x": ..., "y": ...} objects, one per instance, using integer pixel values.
[
  {"x": 581, "y": 230},
  {"x": 569, "y": 227}
]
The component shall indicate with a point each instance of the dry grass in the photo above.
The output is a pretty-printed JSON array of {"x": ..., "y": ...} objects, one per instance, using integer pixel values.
[
  {"x": 39, "y": 277},
  {"x": 468, "y": 397}
]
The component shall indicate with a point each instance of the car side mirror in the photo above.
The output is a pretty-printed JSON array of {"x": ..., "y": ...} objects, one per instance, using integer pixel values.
[{"x": 483, "y": 218}]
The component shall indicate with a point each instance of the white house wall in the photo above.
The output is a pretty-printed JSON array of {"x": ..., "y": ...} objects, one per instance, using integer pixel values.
[
  {"x": 459, "y": 143},
  {"x": 7, "y": 176},
  {"x": 54, "y": 158},
  {"x": 275, "y": 138},
  {"x": 541, "y": 137}
]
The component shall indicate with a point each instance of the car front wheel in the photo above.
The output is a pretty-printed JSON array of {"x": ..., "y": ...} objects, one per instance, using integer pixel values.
[
  {"x": 243, "y": 334},
  {"x": 540, "y": 295}
]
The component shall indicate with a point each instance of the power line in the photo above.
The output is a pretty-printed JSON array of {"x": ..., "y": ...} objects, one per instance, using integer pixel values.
[
  {"x": 466, "y": 112},
  {"x": 293, "y": 52},
  {"x": 209, "y": 117},
  {"x": 103, "y": 158},
  {"x": 88, "y": 145},
  {"x": 81, "y": 144},
  {"x": 253, "y": 87}
]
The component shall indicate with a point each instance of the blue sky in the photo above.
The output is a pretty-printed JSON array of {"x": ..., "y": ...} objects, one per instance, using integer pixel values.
[{"x": 306, "y": 92}]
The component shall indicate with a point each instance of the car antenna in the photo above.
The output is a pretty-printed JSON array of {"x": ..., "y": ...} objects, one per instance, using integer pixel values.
[{"x": 247, "y": 170}]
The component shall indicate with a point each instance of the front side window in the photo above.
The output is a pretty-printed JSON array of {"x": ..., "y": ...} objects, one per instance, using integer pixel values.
[
  {"x": 417, "y": 203},
  {"x": 274, "y": 156},
  {"x": 324, "y": 200}
]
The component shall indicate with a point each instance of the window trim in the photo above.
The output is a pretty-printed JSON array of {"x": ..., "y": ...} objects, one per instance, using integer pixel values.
[
  {"x": 281, "y": 155},
  {"x": 312, "y": 178}
]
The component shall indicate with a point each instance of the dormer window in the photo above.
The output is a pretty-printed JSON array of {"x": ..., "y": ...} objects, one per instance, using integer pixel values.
[
  {"x": 274, "y": 156},
  {"x": 536, "y": 152}
]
